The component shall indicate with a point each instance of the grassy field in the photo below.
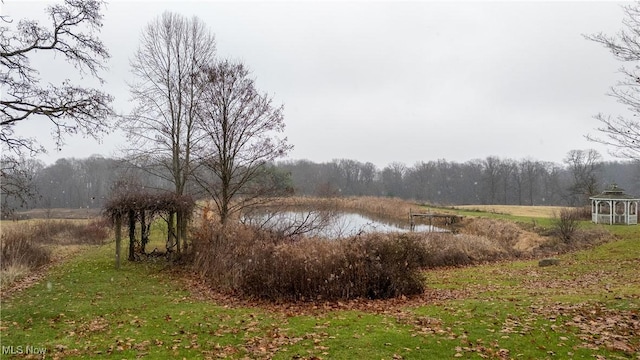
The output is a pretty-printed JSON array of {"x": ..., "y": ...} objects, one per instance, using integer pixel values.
[
  {"x": 515, "y": 210},
  {"x": 587, "y": 307}
]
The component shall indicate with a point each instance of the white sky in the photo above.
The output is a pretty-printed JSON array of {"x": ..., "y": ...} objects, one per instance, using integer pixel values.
[{"x": 392, "y": 81}]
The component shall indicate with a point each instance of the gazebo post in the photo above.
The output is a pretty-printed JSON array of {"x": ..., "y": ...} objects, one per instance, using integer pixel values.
[
  {"x": 611, "y": 213},
  {"x": 626, "y": 212}
]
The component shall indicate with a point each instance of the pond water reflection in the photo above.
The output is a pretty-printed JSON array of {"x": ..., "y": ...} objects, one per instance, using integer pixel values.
[{"x": 334, "y": 225}]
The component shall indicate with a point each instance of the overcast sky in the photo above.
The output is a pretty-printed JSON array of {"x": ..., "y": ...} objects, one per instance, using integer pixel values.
[{"x": 393, "y": 81}]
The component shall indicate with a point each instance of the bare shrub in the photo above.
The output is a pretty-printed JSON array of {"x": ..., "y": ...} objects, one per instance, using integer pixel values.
[
  {"x": 27, "y": 245},
  {"x": 23, "y": 244},
  {"x": 220, "y": 253},
  {"x": 566, "y": 223},
  {"x": 374, "y": 266},
  {"x": 240, "y": 259},
  {"x": 94, "y": 233},
  {"x": 65, "y": 232},
  {"x": 285, "y": 223}
]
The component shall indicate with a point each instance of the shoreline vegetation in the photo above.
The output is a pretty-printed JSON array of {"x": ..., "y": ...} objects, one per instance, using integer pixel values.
[{"x": 503, "y": 308}]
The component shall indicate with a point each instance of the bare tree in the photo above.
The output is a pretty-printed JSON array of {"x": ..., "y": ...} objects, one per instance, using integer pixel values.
[
  {"x": 173, "y": 52},
  {"x": 18, "y": 182},
  {"x": 583, "y": 166},
  {"x": 530, "y": 173},
  {"x": 70, "y": 108},
  {"x": 491, "y": 178},
  {"x": 622, "y": 132},
  {"x": 393, "y": 179},
  {"x": 240, "y": 128}
]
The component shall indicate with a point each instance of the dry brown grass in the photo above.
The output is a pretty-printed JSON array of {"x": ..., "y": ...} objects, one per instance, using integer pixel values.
[
  {"x": 516, "y": 210},
  {"x": 58, "y": 213},
  {"x": 27, "y": 245},
  {"x": 13, "y": 273},
  {"x": 505, "y": 234}
]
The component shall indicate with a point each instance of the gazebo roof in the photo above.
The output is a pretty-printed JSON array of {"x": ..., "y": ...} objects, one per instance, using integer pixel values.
[{"x": 613, "y": 193}]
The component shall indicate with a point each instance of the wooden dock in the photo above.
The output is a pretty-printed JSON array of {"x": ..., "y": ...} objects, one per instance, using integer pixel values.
[{"x": 434, "y": 219}]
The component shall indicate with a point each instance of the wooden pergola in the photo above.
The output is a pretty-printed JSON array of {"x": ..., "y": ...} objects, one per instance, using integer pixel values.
[
  {"x": 143, "y": 207},
  {"x": 613, "y": 206}
]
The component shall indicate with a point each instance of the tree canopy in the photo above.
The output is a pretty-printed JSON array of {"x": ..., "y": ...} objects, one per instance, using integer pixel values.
[
  {"x": 69, "y": 107},
  {"x": 622, "y": 132}
]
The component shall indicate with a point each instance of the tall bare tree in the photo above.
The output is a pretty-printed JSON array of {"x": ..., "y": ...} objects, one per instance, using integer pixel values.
[
  {"x": 393, "y": 179},
  {"x": 240, "y": 128},
  {"x": 173, "y": 52},
  {"x": 70, "y": 108},
  {"x": 530, "y": 172},
  {"x": 583, "y": 166},
  {"x": 623, "y": 132}
]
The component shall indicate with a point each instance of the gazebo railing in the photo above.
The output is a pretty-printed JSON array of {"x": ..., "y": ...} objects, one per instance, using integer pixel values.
[{"x": 617, "y": 219}]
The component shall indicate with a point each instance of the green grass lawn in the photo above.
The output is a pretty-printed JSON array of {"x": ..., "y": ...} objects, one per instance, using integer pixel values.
[{"x": 586, "y": 307}]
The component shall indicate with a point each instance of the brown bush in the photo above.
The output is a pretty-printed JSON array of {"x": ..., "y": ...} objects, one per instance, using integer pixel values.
[
  {"x": 219, "y": 254},
  {"x": 376, "y": 266},
  {"x": 566, "y": 224},
  {"x": 22, "y": 242},
  {"x": 239, "y": 259},
  {"x": 94, "y": 233},
  {"x": 64, "y": 232},
  {"x": 20, "y": 249},
  {"x": 242, "y": 260}
]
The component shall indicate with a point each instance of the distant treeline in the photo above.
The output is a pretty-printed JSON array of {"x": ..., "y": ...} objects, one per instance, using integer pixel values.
[{"x": 86, "y": 183}]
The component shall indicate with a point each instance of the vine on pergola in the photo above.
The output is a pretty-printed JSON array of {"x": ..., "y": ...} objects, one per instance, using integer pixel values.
[{"x": 143, "y": 207}]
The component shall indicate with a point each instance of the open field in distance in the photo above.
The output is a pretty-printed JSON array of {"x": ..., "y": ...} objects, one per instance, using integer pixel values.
[{"x": 516, "y": 210}]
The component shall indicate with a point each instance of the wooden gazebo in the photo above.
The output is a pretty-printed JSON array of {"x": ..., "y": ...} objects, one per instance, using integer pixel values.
[{"x": 613, "y": 206}]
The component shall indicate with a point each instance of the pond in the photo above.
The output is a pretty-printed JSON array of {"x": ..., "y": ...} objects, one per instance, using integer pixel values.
[{"x": 331, "y": 225}]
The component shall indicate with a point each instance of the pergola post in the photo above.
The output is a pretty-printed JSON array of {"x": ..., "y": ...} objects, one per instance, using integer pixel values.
[
  {"x": 132, "y": 234},
  {"x": 118, "y": 221}
]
